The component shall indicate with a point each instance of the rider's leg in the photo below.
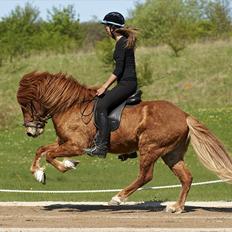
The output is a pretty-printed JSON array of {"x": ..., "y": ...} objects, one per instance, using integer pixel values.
[
  {"x": 103, "y": 136},
  {"x": 105, "y": 104}
]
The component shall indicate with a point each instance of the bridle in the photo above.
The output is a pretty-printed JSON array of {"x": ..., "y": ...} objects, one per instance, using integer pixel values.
[
  {"x": 40, "y": 123},
  {"x": 38, "y": 120}
]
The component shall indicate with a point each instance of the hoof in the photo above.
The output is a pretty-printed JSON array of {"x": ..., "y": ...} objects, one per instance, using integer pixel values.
[
  {"x": 70, "y": 164},
  {"x": 40, "y": 176},
  {"x": 174, "y": 209},
  {"x": 116, "y": 201}
]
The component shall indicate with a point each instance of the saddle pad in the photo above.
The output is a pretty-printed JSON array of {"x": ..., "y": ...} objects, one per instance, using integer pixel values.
[{"x": 114, "y": 116}]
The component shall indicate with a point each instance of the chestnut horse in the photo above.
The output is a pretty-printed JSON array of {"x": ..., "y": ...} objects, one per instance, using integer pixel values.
[{"x": 154, "y": 128}]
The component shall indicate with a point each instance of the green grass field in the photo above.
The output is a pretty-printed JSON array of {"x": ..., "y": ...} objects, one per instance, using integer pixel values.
[{"x": 199, "y": 82}]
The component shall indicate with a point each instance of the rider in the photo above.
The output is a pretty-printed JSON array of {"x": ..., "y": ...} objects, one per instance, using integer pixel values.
[{"x": 124, "y": 73}]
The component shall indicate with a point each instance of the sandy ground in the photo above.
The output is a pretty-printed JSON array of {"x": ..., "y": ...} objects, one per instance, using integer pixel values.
[{"x": 66, "y": 215}]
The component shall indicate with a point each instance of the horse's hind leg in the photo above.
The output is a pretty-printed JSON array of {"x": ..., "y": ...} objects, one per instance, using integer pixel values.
[
  {"x": 185, "y": 177},
  {"x": 148, "y": 158},
  {"x": 175, "y": 162}
]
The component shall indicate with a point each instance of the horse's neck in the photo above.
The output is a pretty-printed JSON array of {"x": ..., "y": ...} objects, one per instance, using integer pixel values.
[{"x": 77, "y": 119}]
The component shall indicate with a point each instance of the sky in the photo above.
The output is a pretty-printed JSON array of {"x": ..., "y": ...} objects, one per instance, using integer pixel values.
[{"x": 86, "y": 9}]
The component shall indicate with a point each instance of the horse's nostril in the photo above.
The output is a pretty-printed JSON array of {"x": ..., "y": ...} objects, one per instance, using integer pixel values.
[{"x": 29, "y": 134}]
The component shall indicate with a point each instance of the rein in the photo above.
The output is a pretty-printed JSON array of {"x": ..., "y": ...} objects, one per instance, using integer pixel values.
[
  {"x": 85, "y": 108},
  {"x": 43, "y": 120}
]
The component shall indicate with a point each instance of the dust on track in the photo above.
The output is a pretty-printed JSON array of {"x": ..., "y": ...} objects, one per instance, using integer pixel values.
[{"x": 102, "y": 216}]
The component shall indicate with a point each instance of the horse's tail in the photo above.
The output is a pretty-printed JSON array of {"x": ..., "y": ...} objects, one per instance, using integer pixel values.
[{"x": 210, "y": 150}]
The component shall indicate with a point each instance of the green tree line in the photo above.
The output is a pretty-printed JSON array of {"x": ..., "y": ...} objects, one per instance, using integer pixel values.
[
  {"x": 179, "y": 22},
  {"x": 23, "y": 32},
  {"x": 172, "y": 22}
]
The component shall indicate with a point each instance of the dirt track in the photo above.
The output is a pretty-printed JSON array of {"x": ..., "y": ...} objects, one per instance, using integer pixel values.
[{"x": 100, "y": 216}]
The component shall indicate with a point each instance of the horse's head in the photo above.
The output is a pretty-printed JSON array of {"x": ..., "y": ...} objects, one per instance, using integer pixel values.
[
  {"x": 43, "y": 94},
  {"x": 34, "y": 117}
]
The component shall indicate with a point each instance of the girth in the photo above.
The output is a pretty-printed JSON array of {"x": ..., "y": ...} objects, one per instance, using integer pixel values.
[{"x": 115, "y": 115}]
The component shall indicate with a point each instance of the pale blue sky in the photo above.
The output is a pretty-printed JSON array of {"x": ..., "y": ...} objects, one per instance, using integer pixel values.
[{"x": 85, "y": 8}]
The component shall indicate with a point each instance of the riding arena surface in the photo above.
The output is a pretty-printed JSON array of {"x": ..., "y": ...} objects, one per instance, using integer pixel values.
[{"x": 98, "y": 216}]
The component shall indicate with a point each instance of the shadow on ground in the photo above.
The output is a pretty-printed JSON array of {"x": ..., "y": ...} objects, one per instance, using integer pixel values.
[{"x": 146, "y": 207}]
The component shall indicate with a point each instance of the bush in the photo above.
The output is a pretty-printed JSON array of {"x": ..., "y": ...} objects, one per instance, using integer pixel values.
[
  {"x": 104, "y": 51},
  {"x": 144, "y": 71},
  {"x": 91, "y": 33}
]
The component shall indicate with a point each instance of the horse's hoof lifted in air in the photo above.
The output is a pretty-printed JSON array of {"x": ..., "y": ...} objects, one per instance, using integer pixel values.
[
  {"x": 40, "y": 176},
  {"x": 70, "y": 164}
]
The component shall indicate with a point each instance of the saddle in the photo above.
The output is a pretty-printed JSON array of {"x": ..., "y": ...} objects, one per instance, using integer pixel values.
[{"x": 115, "y": 115}]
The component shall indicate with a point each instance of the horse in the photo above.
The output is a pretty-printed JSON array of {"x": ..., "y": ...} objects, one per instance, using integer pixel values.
[{"x": 157, "y": 129}]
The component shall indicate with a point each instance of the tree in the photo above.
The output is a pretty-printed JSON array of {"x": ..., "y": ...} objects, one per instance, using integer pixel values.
[
  {"x": 17, "y": 30},
  {"x": 91, "y": 32},
  {"x": 169, "y": 22},
  {"x": 179, "y": 22},
  {"x": 214, "y": 19},
  {"x": 64, "y": 21},
  {"x": 219, "y": 15},
  {"x": 104, "y": 50},
  {"x": 64, "y": 28}
]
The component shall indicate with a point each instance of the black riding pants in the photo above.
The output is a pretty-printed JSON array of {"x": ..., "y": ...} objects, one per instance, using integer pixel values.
[
  {"x": 106, "y": 103},
  {"x": 117, "y": 95}
]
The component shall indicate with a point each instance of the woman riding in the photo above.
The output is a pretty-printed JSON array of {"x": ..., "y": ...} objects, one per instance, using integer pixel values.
[{"x": 124, "y": 73}]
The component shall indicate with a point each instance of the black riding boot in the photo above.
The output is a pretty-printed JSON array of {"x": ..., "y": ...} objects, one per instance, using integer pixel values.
[{"x": 103, "y": 137}]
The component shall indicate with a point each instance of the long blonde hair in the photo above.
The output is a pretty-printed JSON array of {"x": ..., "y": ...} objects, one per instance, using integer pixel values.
[{"x": 130, "y": 34}]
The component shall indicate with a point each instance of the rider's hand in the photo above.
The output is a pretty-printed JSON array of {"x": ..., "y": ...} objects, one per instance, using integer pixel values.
[{"x": 101, "y": 91}]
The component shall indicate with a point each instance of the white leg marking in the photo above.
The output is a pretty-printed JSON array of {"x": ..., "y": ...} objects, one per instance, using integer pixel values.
[
  {"x": 40, "y": 175},
  {"x": 70, "y": 164},
  {"x": 116, "y": 200}
]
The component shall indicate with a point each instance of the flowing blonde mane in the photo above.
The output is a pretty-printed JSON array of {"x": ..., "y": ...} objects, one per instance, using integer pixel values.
[{"x": 56, "y": 92}]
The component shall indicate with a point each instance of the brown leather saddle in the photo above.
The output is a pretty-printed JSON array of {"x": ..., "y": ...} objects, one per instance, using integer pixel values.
[{"x": 115, "y": 115}]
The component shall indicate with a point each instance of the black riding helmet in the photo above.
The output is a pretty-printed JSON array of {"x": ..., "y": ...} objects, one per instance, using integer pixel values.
[{"x": 114, "y": 19}]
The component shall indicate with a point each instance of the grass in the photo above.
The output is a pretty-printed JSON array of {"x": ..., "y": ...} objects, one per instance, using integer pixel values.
[
  {"x": 199, "y": 77},
  {"x": 199, "y": 82}
]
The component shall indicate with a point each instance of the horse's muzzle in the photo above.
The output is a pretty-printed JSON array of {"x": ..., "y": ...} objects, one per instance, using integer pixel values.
[
  {"x": 34, "y": 132},
  {"x": 34, "y": 129}
]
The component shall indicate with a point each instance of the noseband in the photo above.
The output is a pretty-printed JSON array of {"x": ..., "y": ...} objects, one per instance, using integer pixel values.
[{"x": 39, "y": 122}]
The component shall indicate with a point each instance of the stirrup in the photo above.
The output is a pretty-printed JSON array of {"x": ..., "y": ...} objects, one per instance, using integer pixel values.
[{"x": 90, "y": 152}]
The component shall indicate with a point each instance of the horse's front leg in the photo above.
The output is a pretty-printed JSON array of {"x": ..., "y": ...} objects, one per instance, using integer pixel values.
[
  {"x": 36, "y": 170},
  {"x": 67, "y": 149},
  {"x": 39, "y": 153}
]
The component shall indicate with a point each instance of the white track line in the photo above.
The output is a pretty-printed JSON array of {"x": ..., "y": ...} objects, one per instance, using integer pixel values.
[
  {"x": 115, "y": 229},
  {"x": 212, "y": 204},
  {"x": 108, "y": 190}
]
